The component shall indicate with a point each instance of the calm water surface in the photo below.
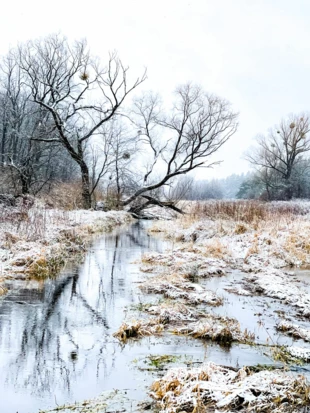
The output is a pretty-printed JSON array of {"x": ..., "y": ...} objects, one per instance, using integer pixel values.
[{"x": 56, "y": 343}]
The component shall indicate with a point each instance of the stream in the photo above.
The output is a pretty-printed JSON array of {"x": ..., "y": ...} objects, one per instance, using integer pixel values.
[{"x": 56, "y": 343}]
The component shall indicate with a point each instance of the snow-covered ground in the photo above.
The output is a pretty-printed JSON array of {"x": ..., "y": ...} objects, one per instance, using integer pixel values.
[
  {"x": 264, "y": 246},
  {"x": 226, "y": 390},
  {"x": 36, "y": 242},
  {"x": 265, "y": 251}
]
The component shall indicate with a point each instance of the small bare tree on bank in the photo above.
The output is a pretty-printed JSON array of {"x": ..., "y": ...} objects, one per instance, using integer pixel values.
[
  {"x": 79, "y": 94},
  {"x": 182, "y": 141},
  {"x": 112, "y": 156},
  {"x": 278, "y": 153}
]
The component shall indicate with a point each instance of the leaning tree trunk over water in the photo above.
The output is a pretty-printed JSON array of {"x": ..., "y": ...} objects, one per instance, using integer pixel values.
[{"x": 136, "y": 210}]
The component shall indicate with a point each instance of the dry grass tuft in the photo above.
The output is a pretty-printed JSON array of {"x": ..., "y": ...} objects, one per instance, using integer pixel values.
[
  {"x": 296, "y": 244},
  {"x": 240, "y": 229},
  {"x": 294, "y": 330},
  {"x": 156, "y": 228},
  {"x": 222, "y": 330},
  {"x": 283, "y": 355},
  {"x": 217, "y": 249},
  {"x": 3, "y": 290},
  {"x": 138, "y": 329},
  {"x": 253, "y": 250},
  {"x": 45, "y": 266}
]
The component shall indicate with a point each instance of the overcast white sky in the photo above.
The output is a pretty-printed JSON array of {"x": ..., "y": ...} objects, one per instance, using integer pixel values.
[{"x": 255, "y": 53}]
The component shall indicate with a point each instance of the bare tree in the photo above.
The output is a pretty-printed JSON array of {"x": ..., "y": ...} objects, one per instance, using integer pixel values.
[
  {"x": 124, "y": 149},
  {"x": 280, "y": 150},
  {"x": 182, "y": 141},
  {"x": 111, "y": 155},
  {"x": 99, "y": 156},
  {"x": 31, "y": 163},
  {"x": 79, "y": 94}
]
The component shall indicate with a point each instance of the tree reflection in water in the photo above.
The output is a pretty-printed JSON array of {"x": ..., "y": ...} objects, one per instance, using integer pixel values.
[{"x": 56, "y": 338}]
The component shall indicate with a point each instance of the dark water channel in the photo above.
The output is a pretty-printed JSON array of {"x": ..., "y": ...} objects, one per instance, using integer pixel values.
[{"x": 56, "y": 343}]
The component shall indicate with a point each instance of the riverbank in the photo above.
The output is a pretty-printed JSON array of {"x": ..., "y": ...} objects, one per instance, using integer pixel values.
[
  {"x": 267, "y": 241},
  {"x": 37, "y": 242},
  {"x": 232, "y": 278}
]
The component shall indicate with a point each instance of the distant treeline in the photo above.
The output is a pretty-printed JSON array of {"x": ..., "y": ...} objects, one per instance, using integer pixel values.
[
  {"x": 225, "y": 188},
  {"x": 266, "y": 186}
]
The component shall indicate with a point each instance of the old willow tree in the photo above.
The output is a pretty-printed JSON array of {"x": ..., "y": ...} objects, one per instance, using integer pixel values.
[
  {"x": 79, "y": 94},
  {"x": 177, "y": 141}
]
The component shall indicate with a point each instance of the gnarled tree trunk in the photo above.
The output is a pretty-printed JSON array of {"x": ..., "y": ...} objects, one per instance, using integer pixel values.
[{"x": 86, "y": 195}]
